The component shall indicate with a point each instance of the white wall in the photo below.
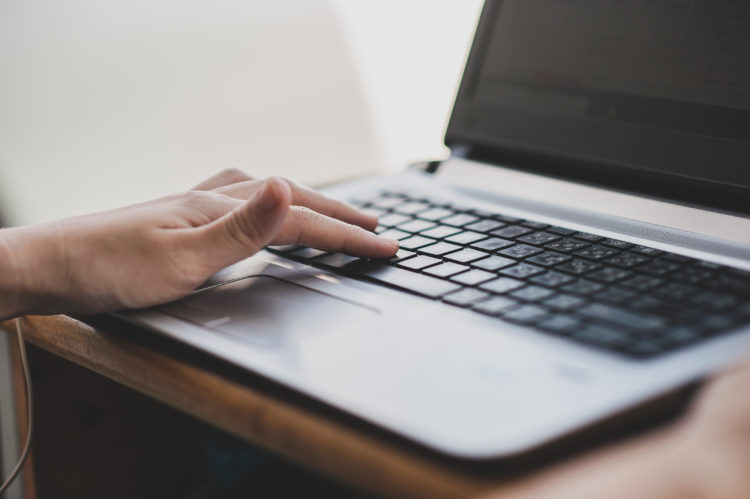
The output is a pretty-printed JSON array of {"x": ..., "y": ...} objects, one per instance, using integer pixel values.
[{"x": 106, "y": 103}]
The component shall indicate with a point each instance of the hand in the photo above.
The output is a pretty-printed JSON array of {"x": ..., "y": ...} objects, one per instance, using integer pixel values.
[
  {"x": 716, "y": 436},
  {"x": 159, "y": 251},
  {"x": 704, "y": 455}
]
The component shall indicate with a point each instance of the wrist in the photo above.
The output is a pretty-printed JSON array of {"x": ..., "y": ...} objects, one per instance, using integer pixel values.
[{"x": 31, "y": 269}]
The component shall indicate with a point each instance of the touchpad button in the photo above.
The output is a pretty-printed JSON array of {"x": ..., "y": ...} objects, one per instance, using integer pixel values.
[{"x": 268, "y": 310}]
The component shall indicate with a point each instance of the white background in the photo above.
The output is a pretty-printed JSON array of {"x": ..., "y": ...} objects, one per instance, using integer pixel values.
[{"x": 107, "y": 103}]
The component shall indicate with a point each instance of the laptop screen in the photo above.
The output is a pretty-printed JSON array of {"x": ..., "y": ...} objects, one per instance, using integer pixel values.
[{"x": 658, "y": 87}]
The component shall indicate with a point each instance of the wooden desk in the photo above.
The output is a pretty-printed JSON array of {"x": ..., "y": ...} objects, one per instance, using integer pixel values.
[{"x": 261, "y": 413}]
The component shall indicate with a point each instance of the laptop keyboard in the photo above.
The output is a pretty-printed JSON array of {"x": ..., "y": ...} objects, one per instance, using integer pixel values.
[{"x": 605, "y": 293}]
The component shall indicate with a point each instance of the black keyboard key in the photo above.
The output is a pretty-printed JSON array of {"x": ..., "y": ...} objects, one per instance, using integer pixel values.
[
  {"x": 616, "y": 315},
  {"x": 435, "y": 214},
  {"x": 615, "y": 243},
  {"x": 441, "y": 231},
  {"x": 602, "y": 336},
  {"x": 682, "y": 335},
  {"x": 493, "y": 263},
  {"x": 507, "y": 219},
  {"x": 674, "y": 257},
  {"x": 526, "y": 314},
  {"x": 535, "y": 225},
  {"x": 583, "y": 287},
  {"x": 522, "y": 270},
  {"x": 549, "y": 259},
  {"x": 459, "y": 220},
  {"x": 609, "y": 275},
  {"x": 465, "y": 238},
  {"x": 566, "y": 245},
  {"x": 511, "y": 231},
  {"x": 501, "y": 285},
  {"x": 538, "y": 238},
  {"x": 395, "y": 234},
  {"x": 645, "y": 250},
  {"x": 473, "y": 277},
  {"x": 616, "y": 296},
  {"x": 675, "y": 292},
  {"x": 439, "y": 249},
  {"x": 659, "y": 267},
  {"x": 565, "y": 302},
  {"x": 520, "y": 251},
  {"x": 486, "y": 225},
  {"x": 466, "y": 255},
  {"x": 336, "y": 260},
  {"x": 393, "y": 219},
  {"x": 408, "y": 280},
  {"x": 592, "y": 238},
  {"x": 492, "y": 244},
  {"x": 596, "y": 252},
  {"x": 716, "y": 323},
  {"x": 561, "y": 231},
  {"x": 532, "y": 293},
  {"x": 415, "y": 242},
  {"x": 446, "y": 270},
  {"x": 552, "y": 279},
  {"x": 711, "y": 300},
  {"x": 400, "y": 255},
  {"x": 307, "y": 253},
  {"x": 728, "y": 283},
  {"x": 561, "y": 324},
  {"x": 466, "y": 297},
  {"x": 420, "y": 262},
  {"x": 415, "y": 225},
  {"x": 708, "y": 265},
  {"x": 644, "y": 348},
  {"x": 286, "y": 249},
  {"x": 642, "y": 282},
  {"x": 578, "y": 267},
  {"x": 693, "y": 275},
  {"x": 627, "y": 260},
  {"x": 495, "y": 306}
]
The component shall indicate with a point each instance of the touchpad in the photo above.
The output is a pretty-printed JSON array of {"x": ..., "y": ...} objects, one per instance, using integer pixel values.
[{"x": 268, "y": 310}]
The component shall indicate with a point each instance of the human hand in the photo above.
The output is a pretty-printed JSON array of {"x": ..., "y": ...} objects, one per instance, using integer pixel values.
[
  {"x": 703, "y": 455},
  {"x": 159, "y": 251},
  {"x": 715, "y": 437}
]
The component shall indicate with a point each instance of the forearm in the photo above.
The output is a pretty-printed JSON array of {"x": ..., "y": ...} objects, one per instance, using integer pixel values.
[{"x": 31, "y": 268}]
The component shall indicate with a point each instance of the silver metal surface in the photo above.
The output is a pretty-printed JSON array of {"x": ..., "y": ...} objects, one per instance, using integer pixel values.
[{"x": 456, "y": 381}]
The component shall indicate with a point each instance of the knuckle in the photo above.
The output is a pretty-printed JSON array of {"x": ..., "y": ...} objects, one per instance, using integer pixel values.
[
  {"x": 233, "y": 174},
  {"x": 303, "y": 218}
]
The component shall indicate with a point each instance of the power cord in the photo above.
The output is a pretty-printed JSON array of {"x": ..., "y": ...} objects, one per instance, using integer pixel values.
[{"x": 29, "y": 410}]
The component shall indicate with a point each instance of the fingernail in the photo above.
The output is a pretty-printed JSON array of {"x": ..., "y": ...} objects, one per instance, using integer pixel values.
[{"x": 392, "y": 243}]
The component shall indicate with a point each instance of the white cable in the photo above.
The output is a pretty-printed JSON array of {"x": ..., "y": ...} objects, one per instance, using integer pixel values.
[{"x": 29, "y": 410}]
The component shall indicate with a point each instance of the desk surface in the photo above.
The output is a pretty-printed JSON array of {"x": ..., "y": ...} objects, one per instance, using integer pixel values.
[{"x": 266, "y": 415}]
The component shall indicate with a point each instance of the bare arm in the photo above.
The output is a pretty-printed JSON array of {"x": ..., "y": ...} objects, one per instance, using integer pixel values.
[{"x": 159, "y": 251}]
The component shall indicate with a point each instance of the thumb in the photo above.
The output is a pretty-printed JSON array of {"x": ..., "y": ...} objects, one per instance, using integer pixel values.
[{"x": 249, "y": 227}]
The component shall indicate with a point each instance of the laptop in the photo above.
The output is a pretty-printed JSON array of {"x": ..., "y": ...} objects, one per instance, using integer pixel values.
[{"x": 583, "y": 253}]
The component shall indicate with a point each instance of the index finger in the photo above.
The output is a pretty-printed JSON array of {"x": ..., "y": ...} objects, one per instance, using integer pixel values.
[
  {"x": 310, "y": 228},
  {"x": 304, "y": 196}
]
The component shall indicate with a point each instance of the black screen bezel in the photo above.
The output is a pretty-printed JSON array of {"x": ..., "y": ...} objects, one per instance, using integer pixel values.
[{"x": 622, "y": 177}]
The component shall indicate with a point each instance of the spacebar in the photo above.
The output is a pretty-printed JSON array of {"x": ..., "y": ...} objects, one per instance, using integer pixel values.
[{"x": 404, "y": 279}]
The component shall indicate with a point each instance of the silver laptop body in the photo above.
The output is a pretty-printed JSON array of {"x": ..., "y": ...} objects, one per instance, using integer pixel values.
[{"x": 542, "y": 131}]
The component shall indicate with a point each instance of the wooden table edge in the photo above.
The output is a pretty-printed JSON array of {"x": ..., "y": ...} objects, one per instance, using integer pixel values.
[{"x": 342, "y": 451}]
